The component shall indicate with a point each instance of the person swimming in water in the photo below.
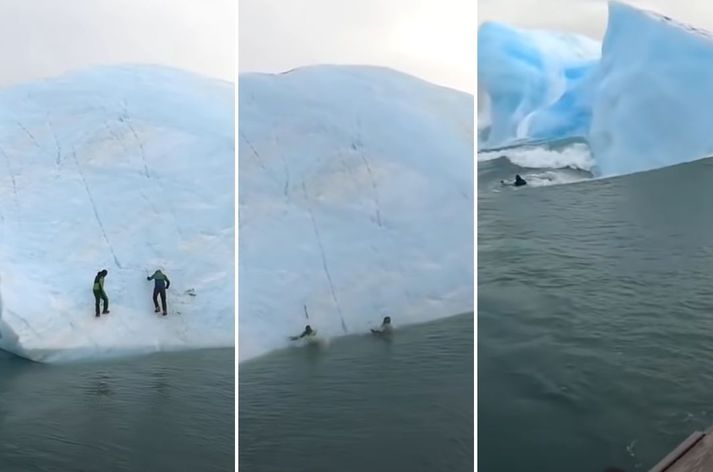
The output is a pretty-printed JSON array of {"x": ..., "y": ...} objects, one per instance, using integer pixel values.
[
  {"x": 519, "y": 181},
  {"x": 386, "y": 327},
  {"x": 307, "y": 332}
]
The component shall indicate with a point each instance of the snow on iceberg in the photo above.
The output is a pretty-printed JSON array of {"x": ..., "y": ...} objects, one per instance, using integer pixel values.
[
  {"x": 356, "y": 199},
  {"x": 533, "y": 84},
  {"x": 643, "y": 105},
  {"x": 127, "y": 168}
]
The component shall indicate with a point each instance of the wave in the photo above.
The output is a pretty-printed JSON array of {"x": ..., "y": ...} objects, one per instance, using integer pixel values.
[
  {"x": 542, "y": 165},
  {"x": 531, "y": 164}
]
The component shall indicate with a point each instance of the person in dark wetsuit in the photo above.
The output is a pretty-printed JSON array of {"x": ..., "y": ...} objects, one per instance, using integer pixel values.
[
  {"x": 99, "y": 293},
  {"x": 519, "y": 181},
  {"x": 161, "y": 283},
  {"x": 307, "y": 332}
]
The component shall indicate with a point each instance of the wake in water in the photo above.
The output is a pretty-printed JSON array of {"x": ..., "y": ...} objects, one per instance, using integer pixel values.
[
  {"x": 313, "y": 344},
  {"x": 540, "y": 165}
]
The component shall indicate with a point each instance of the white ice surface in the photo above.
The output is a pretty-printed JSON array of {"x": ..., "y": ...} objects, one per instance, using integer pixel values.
[
  {"x": 356, "y": 199},
  {"x": 127, "y": 168}
]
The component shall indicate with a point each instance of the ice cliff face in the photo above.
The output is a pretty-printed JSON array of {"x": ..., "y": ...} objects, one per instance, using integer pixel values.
[
  {"x": 127, "y": 169},
  {"x": 655, "y": 88},
  {"x": 355, "y": 199}
]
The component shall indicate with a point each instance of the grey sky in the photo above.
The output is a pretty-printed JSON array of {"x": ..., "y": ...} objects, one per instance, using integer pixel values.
[
  {"x": 41, "y": 38},
  {"x": 432, "y": 39},
  {"x": 587, "y": 16}
]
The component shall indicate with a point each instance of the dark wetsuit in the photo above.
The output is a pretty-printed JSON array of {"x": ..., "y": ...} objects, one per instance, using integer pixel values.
[
  {"x": 161, "y": 283},
  {"x": 307, "y": 332},
  {"x": 519, "y": 181}
]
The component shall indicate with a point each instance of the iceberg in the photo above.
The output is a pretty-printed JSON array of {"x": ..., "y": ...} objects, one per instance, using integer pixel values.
[
  {"x": 355, "y": 201},
  {"x": 654, "y": 91},
  {"x": 641, "y": 105},
  {"x": 124, "y": 168},
  {"x": 533, "y": 84}
]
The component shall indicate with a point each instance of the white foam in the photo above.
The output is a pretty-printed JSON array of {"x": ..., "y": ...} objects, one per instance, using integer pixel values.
[
  {"x": 575, "y": 156},
  {"x": 545, "y": 179}
]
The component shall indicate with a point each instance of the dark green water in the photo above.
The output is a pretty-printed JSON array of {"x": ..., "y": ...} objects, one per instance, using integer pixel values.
[
  {"x": 165, "y": 412},
  {"x": 595, "y": 320},
  {"x": 362, "y": 404}
]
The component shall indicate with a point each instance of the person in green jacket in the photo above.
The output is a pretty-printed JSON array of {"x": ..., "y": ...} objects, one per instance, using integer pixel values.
[
  {"x": 99, "y": 293},
  {"x": 161, "y": 283}
]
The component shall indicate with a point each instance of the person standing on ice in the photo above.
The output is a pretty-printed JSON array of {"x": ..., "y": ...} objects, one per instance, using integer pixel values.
[
  {"x": 161, "y": 283},
  {"x": 99, "y": 293}
]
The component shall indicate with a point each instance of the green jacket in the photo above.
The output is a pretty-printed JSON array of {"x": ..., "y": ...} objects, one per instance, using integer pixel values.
[
  {"x": 98, "y": 283},
  {"x": 160, "y": 280}
]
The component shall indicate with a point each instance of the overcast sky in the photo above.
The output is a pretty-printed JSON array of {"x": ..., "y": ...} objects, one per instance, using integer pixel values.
[
  {"x": 41, "y": 38},
  {"x": 432, "y": 39},
  {"x": 587, "y": 16}
]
